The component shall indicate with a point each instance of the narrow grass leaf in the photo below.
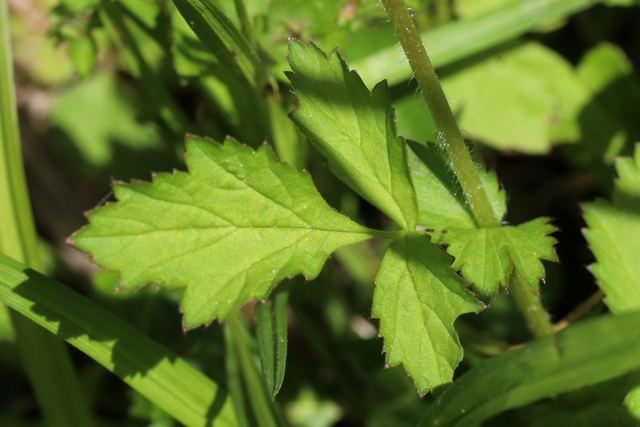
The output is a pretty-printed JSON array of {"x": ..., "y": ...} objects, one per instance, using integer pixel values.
[
  {"x": 417, "y": 299},
  {"x": 232, "y": 228},
  {"x": 219, "y": 35},
  {"x": 168, "y": 381},
  {"x": 354, "y": 129},
  {"x": 252, "y": 401},
  {"x": 586, "y": 353},
  {"x": 271, "y": 335}
]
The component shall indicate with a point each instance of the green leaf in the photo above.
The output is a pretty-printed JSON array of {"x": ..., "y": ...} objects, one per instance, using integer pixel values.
[
  {"x": 94, "y": 140},
  {"x": 485, "y": 256},
  {"x": 354, "y": 129},
  {"x": 608, "y": 121},
  {"x": 593, "y": 406},
  {"x": 217, "y": 32},
  {"x": 252, "y": 402},
  {"x": 632, "y": 402},
  {"x": 417, "y": 298},
  {"x": 229, "y": 230},
  {"x": 271, "y": 334},
  {"x": 168, "y": 381},
  {"x": 614, "y": 235},
  {"x": 82, "y": 50},
  {"x": 586, "y": 353},
  {"x": 440, "y": 197},
  {"x": 523, "y": 99}
]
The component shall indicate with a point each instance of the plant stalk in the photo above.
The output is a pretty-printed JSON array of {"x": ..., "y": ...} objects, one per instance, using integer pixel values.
[
  {"x": 449, "y": 136},
  {"x": 530, "y": 305},
  {"x": 44, "y": 356}
]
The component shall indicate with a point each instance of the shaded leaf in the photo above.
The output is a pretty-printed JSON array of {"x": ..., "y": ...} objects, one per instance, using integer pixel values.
[
  {"x": 229, "y": 230},
  {"x": 440, "y": 197},
  {"x": 354, "y": 129},
  {"x": 217, "y": 32},
  {"x": 614, "y": 235},
  {"x": 485, "y": 256},
  {"x": 586, "y": 353},
  {"x": 524, "y": 99},
  {"x": 417, "y": 299}
]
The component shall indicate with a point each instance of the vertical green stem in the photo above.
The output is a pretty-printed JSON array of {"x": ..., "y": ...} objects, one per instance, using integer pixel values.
[
  {"x": 449, "y": 134},
  {"x": 44, "y": 356},
  {"x": 530, "y": 306}
]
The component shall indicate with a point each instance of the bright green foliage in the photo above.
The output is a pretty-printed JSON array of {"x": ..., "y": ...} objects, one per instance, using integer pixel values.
[
  {"x": 354, "y": 129},
  {"x": 232, "y": 228},
  {"x": 417, "y": 298},
  {"x": 614, "y": 235},
  {"x": 485, "y": 255},
  {"x": 440, "y": 198}
]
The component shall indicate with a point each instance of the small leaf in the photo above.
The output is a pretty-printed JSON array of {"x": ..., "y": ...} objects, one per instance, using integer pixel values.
[
  {"x": 229, "y": 230},
  {"x": 354, "y": 129},
  {"x": 271, "y": 334},
  {"x": 485, "y": 255},
  {"x": 252, "y": 403},
  {"x": 440, "y": 197},
  {"x": 587, "y": 353},
  {"x": 417, "y": 298},
  {"x": 82, "y": 50},
  {"x": 614, "y": 235}
]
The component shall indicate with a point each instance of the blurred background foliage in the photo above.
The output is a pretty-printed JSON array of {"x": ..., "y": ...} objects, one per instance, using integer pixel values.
[{"x": 108, "y": 89}]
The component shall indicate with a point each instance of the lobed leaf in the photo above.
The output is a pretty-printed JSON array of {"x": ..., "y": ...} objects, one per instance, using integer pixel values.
[
  {"x": 230, "y": 229},
  {"x": 417, "y": 299},
  {"x": 614, "y": 235},
  {"x": 354, "y": 129},
  {"x": 486, "y": 255}
]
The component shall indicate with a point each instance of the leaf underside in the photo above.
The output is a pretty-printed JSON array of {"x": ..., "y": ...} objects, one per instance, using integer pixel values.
[
  {"x": 233, "y": 227},
  {"x": 486, "y": 255},
  {"x": 417, "y": 298},
  {"x": 440, "y": 198},
  {"x": 354, "y": 129}
]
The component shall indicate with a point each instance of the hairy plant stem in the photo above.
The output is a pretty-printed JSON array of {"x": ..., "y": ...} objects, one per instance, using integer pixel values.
[
  {"x": 449, "y": 134},
  {"x": 530, "y": 305}
]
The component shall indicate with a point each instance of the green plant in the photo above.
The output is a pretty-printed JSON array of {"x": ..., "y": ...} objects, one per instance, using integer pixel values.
[{"x": 240, "y": 221}]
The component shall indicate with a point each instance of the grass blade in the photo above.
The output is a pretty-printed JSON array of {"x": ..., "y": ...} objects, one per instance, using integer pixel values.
[
  {"x": 45, "y": 358},
  {"x": 252, "y": 402},
  {"x": 166, "y": 380},
  {"x": 464, "y": 38},
  {"x": 586, "y": 353},
  {"x": 271, "y": 334}
]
